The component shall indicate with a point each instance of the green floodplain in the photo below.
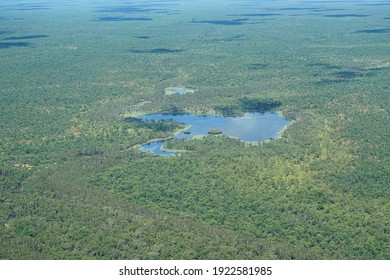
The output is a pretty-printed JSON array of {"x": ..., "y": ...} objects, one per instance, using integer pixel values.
[{"x": 75, "y": 185}]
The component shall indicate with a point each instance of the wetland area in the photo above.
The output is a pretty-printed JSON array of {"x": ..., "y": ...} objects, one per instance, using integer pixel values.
[{"x": 83, "y": 88}]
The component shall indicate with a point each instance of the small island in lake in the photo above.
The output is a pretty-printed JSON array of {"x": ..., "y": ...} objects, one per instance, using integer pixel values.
[{"x": 215, "y": 131}]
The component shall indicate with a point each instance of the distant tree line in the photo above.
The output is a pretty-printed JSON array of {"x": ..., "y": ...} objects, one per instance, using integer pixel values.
[{"x": 240, "y": 106}]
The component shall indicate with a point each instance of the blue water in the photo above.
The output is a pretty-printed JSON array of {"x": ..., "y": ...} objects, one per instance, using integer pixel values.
[
  {"x": 250, "y": 127},
  {"x": 178, "y": 91},
  {"x": 156, "y": 148}
]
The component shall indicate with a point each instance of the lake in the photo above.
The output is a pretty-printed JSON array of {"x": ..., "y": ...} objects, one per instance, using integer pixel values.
[{"x": 251, "y": 127}]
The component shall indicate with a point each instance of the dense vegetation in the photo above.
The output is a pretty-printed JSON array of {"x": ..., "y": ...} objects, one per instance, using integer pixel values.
[
  {"x": 240, "y": 106},
  {"x": 74, "y": 184}
]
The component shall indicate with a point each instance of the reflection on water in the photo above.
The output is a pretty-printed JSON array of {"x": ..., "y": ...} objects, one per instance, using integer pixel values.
[{"x": 248, "y": 128}]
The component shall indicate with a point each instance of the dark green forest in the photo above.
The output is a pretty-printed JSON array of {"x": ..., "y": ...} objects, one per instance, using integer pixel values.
[{"x": 74, "y": 183}]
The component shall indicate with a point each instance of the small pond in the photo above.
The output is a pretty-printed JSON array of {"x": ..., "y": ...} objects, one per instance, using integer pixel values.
[
  {"x": 178, "y": 90},
  {"x": 251, "y": 127}
]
